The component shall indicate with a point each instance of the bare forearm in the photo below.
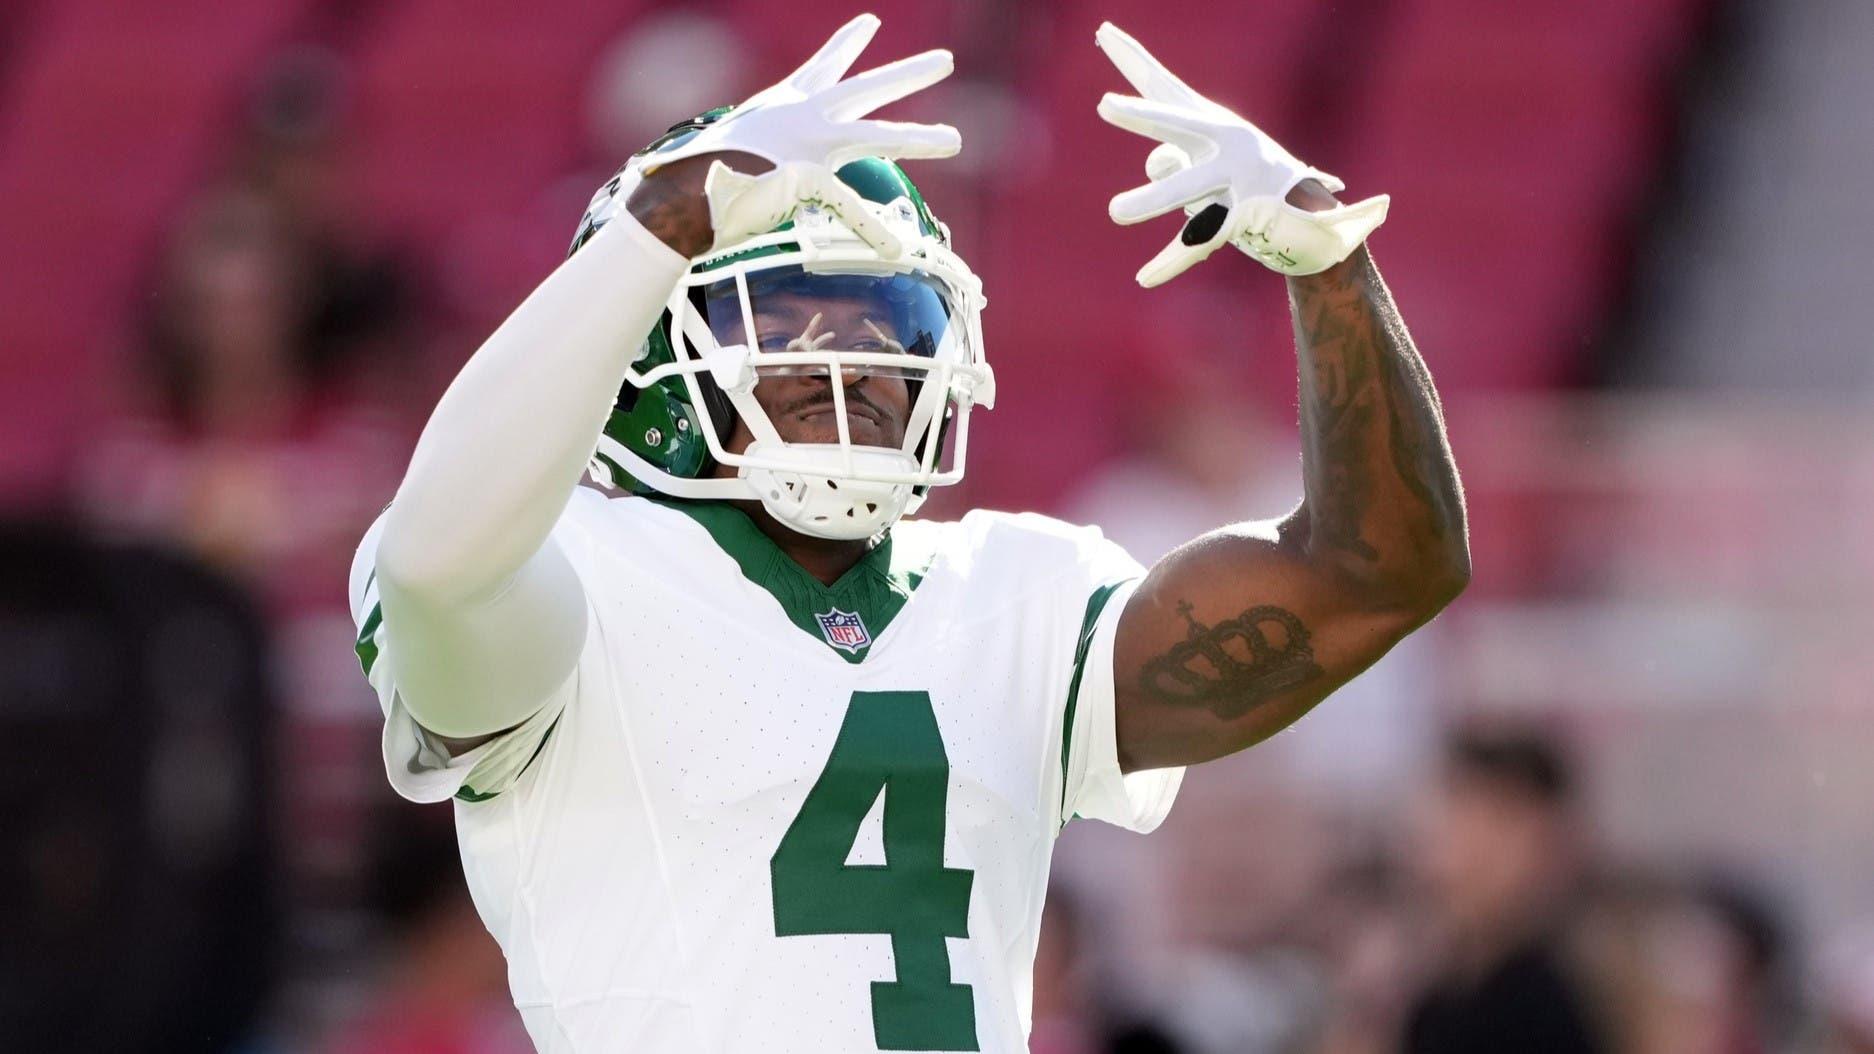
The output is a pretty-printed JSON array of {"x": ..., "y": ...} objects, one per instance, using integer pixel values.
[
  {"x": 1383, "y": 501},
  {"x": 1239, "y": 633}
]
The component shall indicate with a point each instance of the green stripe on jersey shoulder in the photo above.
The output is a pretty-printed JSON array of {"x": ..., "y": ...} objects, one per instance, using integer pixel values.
[
  {"x": 471, "y": 795},
  {"x": 1088, "y": 622},
  {"x": 367, "y": 638},
  {"x": 875, "y": 589},
  {"x": 367, "y": 631}
]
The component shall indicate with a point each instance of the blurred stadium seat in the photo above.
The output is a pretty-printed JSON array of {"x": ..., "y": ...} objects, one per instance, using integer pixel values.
[{"x": 1461, "y": 110}]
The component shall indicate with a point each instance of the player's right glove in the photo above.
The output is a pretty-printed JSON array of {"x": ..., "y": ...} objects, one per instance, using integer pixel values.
[
  {"x": 1229, "y": 176},
  {"x": 809, "y": 125}
]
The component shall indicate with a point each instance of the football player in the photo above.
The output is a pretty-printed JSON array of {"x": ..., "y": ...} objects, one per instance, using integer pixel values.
[{"x": 741, "y": 758}]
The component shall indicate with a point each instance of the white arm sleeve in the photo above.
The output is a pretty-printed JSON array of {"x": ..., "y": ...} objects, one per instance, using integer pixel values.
[
  {"x": 418, "y": 763},
  {"x": 488, "y": 614}
]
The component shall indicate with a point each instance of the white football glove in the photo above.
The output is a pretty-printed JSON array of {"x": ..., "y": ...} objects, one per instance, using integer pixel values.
[
  {"x": 1227, "y": 174},
  {"x": 809, "y": 125}
]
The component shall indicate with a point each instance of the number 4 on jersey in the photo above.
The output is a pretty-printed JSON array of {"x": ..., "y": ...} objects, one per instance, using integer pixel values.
[{"x": 888, "y": 741}]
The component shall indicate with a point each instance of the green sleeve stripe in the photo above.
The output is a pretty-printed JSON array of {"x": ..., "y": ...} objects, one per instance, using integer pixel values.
[
  {"x": 367, "y": 638},
  {"x": 470, "y": 794},
  {"x": 1095, "y": 604}
]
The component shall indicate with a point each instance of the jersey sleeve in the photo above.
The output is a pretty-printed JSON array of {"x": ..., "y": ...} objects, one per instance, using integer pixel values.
[
  {"x": 1092, "y": 785},
  {"x": 416, "y": 761}
]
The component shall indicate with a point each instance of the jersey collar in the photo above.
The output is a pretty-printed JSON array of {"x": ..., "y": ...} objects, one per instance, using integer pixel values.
[{"x": 847, "y": 616}]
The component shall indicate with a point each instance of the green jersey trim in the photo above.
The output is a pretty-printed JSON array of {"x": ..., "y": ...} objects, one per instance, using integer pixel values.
[
  {"x": 1088, "y": 623},
  {"x": 873, "y": 591},
  {"x": 471, "y": 795},
  {"x": 367, "y": 638}
]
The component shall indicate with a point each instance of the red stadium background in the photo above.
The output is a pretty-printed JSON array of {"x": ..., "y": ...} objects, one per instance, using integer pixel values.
[{"x": 244, "y": 246}]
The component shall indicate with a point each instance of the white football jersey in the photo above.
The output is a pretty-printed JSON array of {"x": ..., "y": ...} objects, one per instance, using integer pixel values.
[{"x": 769, "y": 814}]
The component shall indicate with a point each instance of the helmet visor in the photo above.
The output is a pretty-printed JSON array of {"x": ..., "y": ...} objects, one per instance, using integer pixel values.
[{"x": 793, "y": 310}]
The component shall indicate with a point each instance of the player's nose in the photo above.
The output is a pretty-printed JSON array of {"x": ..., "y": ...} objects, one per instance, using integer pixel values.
[{"x": 849, "y": 376}]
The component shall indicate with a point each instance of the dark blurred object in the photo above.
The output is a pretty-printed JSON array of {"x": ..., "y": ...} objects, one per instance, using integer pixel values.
[
  {"x": 443, "y": 984},
  {"x": 1142, "y": 1039},
  {"x": 1500, "y": 860},
  {"x": 358, "y": 295},
  {"x": 263, "y": 431},
  {"x": 1515, "y": 765},
  {"x": 1757, "y": 1002},
  {"x": 270, "y": 278},
  {"x": 1523, "y": 1001},
  {"x": 134, "y": 728},
  {"x": 229, "y": 339},
  {"x": 1061, "y": 1008},
  {"x": 267, "y": 426}
]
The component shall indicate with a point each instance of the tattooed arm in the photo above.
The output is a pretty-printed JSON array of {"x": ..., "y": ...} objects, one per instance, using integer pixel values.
[{"x": 1237, "y": 634}]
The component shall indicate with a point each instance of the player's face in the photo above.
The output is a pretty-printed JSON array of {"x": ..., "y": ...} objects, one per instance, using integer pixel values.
[{"x": 800, "y": 400}]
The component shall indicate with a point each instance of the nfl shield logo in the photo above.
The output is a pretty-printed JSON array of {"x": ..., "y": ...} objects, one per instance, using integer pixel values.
[{"x": 843, "y": 629}]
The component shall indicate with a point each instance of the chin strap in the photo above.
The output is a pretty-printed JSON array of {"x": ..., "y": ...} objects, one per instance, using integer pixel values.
[
  {"x": 801, "y": 496},
  {"x": 809, "y": 500}
]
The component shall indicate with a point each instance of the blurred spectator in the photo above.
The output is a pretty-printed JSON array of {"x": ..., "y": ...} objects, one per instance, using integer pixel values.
[
  {"x": 240, "y": 449},
  {"x": 260, "y": 439},
  {"x": 442, "y": 987},
  {"x": 263, "y": 434},
  {"x": 1687, "y": 967},
  {"x": 1367, "y": 934},
  {"x": 1500, "y": 860}
]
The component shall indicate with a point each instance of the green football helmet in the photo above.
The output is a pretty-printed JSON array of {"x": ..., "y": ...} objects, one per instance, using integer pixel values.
[{"x": 696, "y": 371}]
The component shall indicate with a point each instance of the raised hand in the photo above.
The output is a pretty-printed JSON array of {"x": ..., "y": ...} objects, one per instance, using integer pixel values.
[
  {"x": 807, "y": 126},
  {"x": 1229, "y": 176}
]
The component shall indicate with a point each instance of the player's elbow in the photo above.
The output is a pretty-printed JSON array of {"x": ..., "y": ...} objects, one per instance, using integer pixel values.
[
  {"x": 1413, "y": 580},
  {"x": 400, "y": 562},
  {"x": 1451, "y": 570},
  {"x": 1413, "y": 594},
  {"x": 415, "y": 564},
  {"x": 1434, "y": 587},
  {"x": 1447, "y": 584}
]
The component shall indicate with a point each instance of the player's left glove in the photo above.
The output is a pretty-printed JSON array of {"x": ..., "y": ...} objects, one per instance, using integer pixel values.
[{"x": 1229, "y": 176}]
